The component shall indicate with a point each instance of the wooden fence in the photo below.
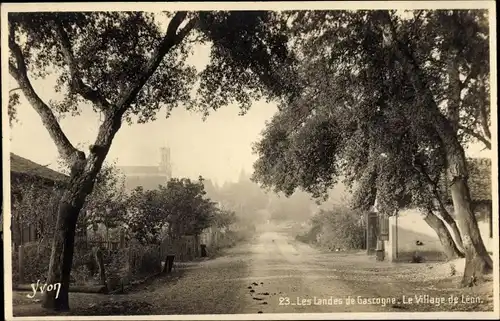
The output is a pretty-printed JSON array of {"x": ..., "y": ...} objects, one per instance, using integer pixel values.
[
  {"x": 185, "y": 249},
  {"x": 189, "y": 247},
  {"x": 102, "y": 244}
]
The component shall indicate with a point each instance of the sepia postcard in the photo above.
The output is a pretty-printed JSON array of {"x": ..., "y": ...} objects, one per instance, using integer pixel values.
[{"x": 250, "y": 160}]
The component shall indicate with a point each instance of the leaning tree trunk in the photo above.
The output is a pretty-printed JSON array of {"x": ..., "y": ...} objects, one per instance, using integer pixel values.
[
  {"x": 61, "y": 259},
  {"x": 445, "y": 215},
  {"x": 450, "y": 249},
  {"x": 477, "y": 260},
  {"x": 454, "y": 230}
]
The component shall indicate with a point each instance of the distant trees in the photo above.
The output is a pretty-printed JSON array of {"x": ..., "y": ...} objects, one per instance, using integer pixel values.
[
  {"x": 244, "y": 197},
  {"x": 296, "y": 207},
  {"x": 224, "y": 218}
]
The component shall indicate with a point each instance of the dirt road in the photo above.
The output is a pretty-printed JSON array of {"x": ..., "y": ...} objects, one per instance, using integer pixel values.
[
  {"x": 271, "y": 274},
  {"x": 274, "y": 273}
]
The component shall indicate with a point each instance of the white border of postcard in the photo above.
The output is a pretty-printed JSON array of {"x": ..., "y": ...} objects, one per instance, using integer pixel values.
[{"x": 193, "y": 6}]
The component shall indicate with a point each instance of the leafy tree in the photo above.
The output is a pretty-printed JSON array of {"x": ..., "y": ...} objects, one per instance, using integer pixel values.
[
  {"x": 147, "y": 215},
  {"x": 378, "y": 107},
  {"x": 180, "y": 207},
  {"x": 107, "y": 203},
  {"x": 126, "y": 68},
  {"x": 190, "y": 211}
]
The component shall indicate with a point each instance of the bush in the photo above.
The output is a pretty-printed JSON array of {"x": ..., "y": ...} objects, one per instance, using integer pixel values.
[
  {"x": 144, "y": 259},
  {"x": 339, "y": 228},
  {"x": 310, "y": 236},
  {"x": 115, "y": 262},
  {"x": 36, "y": 259}
]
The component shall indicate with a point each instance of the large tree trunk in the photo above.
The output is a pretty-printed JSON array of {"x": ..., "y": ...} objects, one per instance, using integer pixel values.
[
  {"x": 450, "y": 249},
  {"x": 478, "y": 261},
  {"x": 80, "y": 186},
  {"x": 61, "y": 258}
]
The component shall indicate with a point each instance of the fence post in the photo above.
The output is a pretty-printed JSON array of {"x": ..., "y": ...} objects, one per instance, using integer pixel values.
[
  {"x": 197, "y": 245},
  {"x": 100, "y": 264},
  {"x": 122, "y": 238},
  {"x": 21, "y": 263}
]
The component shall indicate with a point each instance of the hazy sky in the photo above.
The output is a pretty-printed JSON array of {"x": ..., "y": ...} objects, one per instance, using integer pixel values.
[{"x": 218, "y": 148}]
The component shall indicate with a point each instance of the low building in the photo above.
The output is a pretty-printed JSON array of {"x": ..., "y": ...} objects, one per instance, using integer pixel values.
[
  {"x": 407, "y": 234},
  {"x": 32, "y": 182}
]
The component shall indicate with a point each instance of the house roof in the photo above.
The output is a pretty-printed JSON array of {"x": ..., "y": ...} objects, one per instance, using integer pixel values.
[
  {"x": 23, "y": 166},
  {"x": 480, "y": 179}
]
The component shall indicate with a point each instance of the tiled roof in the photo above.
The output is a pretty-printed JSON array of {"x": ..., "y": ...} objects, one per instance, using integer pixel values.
[
  {"x": 479, "y": 180},
  {"x": 24, "y": 166}
]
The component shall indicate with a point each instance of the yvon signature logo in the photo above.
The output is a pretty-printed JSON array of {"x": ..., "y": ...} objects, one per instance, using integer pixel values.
[{"x": 43, "y": 287}]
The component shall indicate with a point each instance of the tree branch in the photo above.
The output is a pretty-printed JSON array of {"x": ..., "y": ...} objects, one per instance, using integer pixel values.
[
  {"x": 432, "y": 185},
  {"x": 19, "y": 73},
  {"x": 171, "y": 39},
  {"x": 113, "y": 117},
  {"x": 429, "y": 107},
  {"x": 483, "y": 114},
  {"x": 476, "y": 135},
  {"x": 76, "y": 81},
  {"x": 464, "y": 83},
  {"x": 472, "y": 74}
]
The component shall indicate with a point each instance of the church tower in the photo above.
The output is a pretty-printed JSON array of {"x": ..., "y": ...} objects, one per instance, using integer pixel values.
[{"x": 165, "y": 164}]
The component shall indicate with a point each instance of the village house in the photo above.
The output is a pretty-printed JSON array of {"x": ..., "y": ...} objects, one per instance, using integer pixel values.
[
  {"x": 29, "y": 179},
  {"x": 407, "y": 234}
]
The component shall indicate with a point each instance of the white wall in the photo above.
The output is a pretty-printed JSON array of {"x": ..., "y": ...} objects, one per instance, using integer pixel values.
[{"x": 411, "y": 228}]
